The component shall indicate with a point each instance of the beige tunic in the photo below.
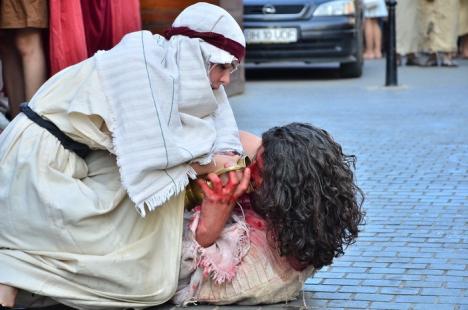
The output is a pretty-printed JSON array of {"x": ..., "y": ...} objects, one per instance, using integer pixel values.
[
  {"x": 440, "y": 25},
  {"x": 77, "y": 237},
  {"x": 408, "y": 23}
]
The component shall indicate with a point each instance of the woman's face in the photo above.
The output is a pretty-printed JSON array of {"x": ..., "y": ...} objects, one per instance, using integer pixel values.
[{"x": 220, "y": 74}]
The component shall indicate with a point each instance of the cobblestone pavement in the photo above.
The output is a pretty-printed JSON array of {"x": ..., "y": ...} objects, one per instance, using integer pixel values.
[{"x": 412, "y": 147}]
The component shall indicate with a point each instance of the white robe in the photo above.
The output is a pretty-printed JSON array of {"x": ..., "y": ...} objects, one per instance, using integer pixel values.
[{"x": 69, "y": 229}]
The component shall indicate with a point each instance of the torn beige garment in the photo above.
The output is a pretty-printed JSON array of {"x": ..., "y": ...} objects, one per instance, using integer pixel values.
[
  {"x": 440, "y": 25},
  {"x": 408, "y": 23},
  {"x": 241, "y": 267},
  {"x": 69, "y": 230}
]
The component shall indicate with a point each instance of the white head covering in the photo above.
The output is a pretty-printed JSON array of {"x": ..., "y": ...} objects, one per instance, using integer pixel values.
[
  {"x": 165, "y": 113},
  {"x": 204, "y": 17}
]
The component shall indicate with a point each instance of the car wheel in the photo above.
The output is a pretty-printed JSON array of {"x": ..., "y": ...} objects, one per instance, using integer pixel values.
[
  {"x": 351, "y": 69},
  {"x": 354, "y": 69}
]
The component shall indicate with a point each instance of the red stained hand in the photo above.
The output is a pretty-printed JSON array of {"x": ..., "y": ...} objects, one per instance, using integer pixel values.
[
  {"x": 228, "y": 193},
  {"x": 218, "y": 203}
]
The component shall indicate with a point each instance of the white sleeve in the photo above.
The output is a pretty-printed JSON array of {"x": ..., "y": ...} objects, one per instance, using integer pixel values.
[{"x": 227, "y": 133}]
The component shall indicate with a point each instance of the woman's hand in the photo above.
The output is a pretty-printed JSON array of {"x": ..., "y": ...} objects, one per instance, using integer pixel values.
[{"x": 218, "y": 203}]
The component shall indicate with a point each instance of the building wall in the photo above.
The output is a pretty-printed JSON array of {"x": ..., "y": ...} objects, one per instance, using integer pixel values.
[
  {"x": 158, "y": 15},
  {"x": 235, "y": 8}
]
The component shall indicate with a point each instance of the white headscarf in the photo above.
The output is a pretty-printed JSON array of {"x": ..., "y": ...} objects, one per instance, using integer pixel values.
[
  {"x": 205, "y": 17},
  {"x": 165, "y": 113}
]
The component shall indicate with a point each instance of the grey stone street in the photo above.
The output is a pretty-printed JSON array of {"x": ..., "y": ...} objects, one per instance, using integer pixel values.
[{"x": 411, "y": 142}]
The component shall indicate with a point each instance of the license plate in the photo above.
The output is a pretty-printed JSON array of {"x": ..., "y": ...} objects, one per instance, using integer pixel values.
[{"x": 270, "y": 35}]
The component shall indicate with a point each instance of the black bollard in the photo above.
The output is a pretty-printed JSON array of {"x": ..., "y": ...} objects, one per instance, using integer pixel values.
[{"x": 391, "y": 76}]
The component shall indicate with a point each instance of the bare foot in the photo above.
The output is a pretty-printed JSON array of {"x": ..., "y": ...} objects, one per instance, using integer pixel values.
[
  {"x": 368, "y": 55},
  {"x": 7, "y": 296},
  {"x": 378, "y": 55}
]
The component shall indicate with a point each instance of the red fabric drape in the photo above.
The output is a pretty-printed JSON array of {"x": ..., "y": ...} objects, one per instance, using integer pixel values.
[
  {"x": 67, "y": 40},
  {"x": 126, "y": 18},
  {"x": 97, "y": 19},
  {"x": 79, "y": 28}
]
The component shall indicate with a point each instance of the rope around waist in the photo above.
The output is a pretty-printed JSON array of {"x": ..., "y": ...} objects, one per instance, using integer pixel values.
[{"x": 68, "y": 143}]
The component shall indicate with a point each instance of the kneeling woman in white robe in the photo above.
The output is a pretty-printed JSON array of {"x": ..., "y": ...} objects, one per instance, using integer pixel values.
[{"x": 153, "y": 113}]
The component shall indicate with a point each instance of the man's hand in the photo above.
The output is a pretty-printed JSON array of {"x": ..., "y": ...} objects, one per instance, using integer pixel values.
[{"x": 218, "y": 203}]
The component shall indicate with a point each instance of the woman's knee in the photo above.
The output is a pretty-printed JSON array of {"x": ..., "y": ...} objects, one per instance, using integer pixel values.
[{"x": 28, "y": 41}]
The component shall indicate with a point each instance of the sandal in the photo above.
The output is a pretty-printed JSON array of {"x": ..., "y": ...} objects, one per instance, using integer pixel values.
[
  {"x": 448, "y": 63},
  {"x": 432, "y": 62},
  {"x": 414, "y": 61}
]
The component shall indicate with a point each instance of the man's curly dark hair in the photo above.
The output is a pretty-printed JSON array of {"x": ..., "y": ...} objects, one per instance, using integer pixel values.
[{"x": 308, "y": 195}]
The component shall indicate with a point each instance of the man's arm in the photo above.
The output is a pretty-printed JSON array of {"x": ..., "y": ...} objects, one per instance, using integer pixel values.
[{"x": 217, "y": 205}]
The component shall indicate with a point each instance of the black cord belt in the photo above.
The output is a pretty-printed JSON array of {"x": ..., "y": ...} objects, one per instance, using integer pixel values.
[{"x": 80, "y": 149}]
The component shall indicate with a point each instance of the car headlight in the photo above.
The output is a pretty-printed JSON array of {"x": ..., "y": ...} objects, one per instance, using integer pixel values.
[{"x": 337, "y": 7}]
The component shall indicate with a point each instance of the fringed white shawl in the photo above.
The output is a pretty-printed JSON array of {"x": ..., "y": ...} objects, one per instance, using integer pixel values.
[{"x": 164, "y": 113}]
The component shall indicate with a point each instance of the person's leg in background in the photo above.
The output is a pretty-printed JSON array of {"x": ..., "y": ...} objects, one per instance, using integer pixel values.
[
  {"x": 22, "y": 50},
  {"x": 374, "y": 11},
  {"x": 377, "y": 34},
  {"x": 12, "y": 71},
  {"x": 369, "y": 39},
  {"x": 30, "y": 47}
]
